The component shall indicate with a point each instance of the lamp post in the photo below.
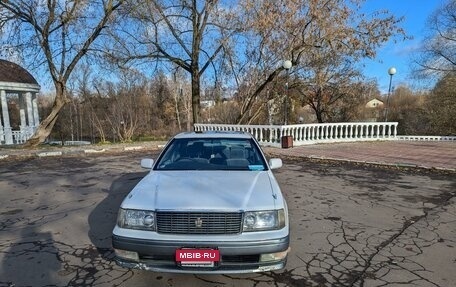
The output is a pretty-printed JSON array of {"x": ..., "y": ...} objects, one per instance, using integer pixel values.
[
  {"x": 287, "y": 66},
  {"x": 391, "y": 72}
]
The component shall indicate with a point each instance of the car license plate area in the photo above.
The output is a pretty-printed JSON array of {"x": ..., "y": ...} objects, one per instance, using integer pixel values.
[{"x": 205, "y": 258}]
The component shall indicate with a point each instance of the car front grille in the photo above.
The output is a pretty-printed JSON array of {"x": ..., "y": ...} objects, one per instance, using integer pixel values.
[{"x": 199, "y": 223}]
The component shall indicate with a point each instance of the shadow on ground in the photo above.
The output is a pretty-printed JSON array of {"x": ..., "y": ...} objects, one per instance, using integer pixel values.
[{"x": 103, "y": 217}]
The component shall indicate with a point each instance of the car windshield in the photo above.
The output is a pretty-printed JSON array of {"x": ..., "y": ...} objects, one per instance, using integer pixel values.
[{"x": 212, "y": 154}]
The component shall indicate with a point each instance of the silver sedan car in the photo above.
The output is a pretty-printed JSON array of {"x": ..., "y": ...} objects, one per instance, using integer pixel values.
[{"x": 210, "y": 204}]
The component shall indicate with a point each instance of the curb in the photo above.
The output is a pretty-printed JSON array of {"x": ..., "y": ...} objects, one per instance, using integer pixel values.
[
  {"x": 74, "y": 151},
  {"x": 129, "y": 148},
  {"x": 94, "y": 150},
  {"x": 49, "y": 153}
]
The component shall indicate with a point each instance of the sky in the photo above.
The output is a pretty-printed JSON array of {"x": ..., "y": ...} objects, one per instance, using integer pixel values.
[{"x": 398, "y": 55}]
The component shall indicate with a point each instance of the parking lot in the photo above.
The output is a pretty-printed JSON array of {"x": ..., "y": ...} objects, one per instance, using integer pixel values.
[{"x": 351, "y": 225}]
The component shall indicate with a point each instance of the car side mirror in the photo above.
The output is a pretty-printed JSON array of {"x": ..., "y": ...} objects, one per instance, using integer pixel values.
[
  {"x": 275, "y": 163},
  {"x": 147, "y": 163}
]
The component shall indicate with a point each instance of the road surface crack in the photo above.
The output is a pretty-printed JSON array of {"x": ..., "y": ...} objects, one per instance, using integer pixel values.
[{"x": 445, "y": 200}]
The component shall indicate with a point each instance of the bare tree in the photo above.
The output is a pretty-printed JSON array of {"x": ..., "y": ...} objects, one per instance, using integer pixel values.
[
  {"x": 408, "y": 108},
  {"x": 438, "y": 52},
  {"x": 123, "y": 105},
  {"x": 329, "y": 79},
  {"x": 96, "y": 120},
  {"x": 57, "y": 34},
  {"x": 189, "y": 34},
  {"x": 296, "y": 30},
  {"x": 441, "y": 106}
]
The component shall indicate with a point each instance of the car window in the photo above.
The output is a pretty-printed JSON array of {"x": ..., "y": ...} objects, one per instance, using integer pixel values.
[{"x": 211, "y": 154}]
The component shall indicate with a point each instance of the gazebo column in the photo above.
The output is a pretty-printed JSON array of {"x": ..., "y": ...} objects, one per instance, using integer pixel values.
[
  {"x": 28, "y": 102},
  {"x": 36, "y": 115},
  {"x": 23, "y": 125},
  {"x": 24, "y": 128},
  {"x": 23, "y": 121},
  {"x": 6, "y": 121}
]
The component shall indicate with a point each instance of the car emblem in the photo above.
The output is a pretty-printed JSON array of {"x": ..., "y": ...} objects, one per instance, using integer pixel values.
[{"x": 198, "y": 223}]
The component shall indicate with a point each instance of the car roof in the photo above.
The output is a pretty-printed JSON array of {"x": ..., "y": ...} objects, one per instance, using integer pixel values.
[{"x": 214, "y": 134}]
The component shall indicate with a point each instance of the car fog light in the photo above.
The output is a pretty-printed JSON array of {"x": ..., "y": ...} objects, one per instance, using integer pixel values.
[
  {"x": 149, "y": 220},
  {"x": 274, "y": 256},
  {"x": 129, "y": 255}
]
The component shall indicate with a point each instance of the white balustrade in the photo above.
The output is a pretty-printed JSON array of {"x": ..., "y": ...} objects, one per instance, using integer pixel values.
[
  {"x": 303, "y": 134},
  {"x": 21, "y": 136},
  {"x": 18, "y": 136},
  {"x": 270, "y": 135}
]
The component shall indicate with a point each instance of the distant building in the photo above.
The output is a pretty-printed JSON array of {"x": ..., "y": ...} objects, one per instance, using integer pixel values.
[
  {"x": 373, "y": 110},
  {"x": 207, "y": 104},
  {"x": 375, "y": 103}
]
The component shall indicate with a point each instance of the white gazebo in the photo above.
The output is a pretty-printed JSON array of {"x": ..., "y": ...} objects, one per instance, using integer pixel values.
[{"x": 15, "y": 80}]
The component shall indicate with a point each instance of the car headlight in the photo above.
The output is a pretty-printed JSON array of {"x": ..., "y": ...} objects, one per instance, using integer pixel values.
[
  {"x": 264, "y": 220},
  {"x": 136, "y": 219}
]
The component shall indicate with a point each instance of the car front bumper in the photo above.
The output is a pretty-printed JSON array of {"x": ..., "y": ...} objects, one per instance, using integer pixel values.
[{"x": 236, "y": 257}]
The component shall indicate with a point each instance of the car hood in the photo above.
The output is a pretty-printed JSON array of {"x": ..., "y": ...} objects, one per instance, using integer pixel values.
[{"x": 204, "y": 190}]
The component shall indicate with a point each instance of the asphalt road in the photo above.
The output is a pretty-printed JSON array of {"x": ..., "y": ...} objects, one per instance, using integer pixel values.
[{"x": 352, "y": 225}]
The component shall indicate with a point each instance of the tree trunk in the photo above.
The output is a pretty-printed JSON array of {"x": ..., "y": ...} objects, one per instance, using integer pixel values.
[
  {"x": 244, "y": 116},
  {"x": 189, "y": 114},
  {"x": 196, "y": 97},
  {"x": 45, "y": 127},
  {"x": 318, "y": 107},
  {"x": 319, "y": 115},
  {"x": 176, "y": 107}
]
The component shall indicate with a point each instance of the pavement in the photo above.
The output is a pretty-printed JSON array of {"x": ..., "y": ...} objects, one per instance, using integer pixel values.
[
  {"x": 352, "y": 225},
  {"x": 419, "y": 154}
]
